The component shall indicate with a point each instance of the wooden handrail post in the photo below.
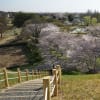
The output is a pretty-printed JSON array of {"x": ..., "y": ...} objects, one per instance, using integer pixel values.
[
  {"x": 6, "y": 77},
  {"x": 19, "y": 75},
  {"x": 27, "y": 72},
  {"x": 59, "y": 73},
  {"x": 55, "y": 82},
  {"x": 46, "y": 84}
]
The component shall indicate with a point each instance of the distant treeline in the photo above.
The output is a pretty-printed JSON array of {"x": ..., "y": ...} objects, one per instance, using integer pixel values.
[
  {"x": 19, "y": 18},
  {"x": 95, "y": 14}
]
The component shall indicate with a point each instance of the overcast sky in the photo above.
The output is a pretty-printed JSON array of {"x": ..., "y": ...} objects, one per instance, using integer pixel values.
[{"x": 49, "y": 5}]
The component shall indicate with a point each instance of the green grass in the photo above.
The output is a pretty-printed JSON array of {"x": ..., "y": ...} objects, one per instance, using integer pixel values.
[
  {"x": 63, "y": 28},
  {"x": 80, "y": 87},
  {"x": 14, "y": 31}
]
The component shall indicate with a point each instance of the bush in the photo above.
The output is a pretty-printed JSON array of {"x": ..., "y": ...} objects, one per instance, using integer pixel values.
[{"x": 33, "y": 54}]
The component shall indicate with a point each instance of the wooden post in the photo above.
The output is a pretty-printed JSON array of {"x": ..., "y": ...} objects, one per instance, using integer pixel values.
[
  {"x": 46, "y": 84},
  {"x": 6, "y": 77},
  {"x": 19, "y": 75},
  {"x": 55, "y": 82},
  {"x": 59, "y": 71},
  {"x": 27, "y": 78},
  {"x": 32, "y": 74}
]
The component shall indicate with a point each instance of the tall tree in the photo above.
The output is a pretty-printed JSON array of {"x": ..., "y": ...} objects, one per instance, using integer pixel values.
[
  {"x": 70, "y": 17},
  {"x": 20, "y": 18}
]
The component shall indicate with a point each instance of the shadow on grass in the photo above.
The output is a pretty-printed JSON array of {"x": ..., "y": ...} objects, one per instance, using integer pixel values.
[
  {"x": 78, "y": 73},
  {"x": 71, "y": 73},
  {"x": 28, "y": 66}
]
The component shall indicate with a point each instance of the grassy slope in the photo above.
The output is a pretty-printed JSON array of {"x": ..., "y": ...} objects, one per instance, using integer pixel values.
[{"x": 80, "y": 87}]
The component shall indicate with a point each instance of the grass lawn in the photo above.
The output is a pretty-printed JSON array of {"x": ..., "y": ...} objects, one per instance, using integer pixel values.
[{"x": 80, "y": 87}]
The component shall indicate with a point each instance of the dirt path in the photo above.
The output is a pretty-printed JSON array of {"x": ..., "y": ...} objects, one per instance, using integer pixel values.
[{"x": 7, "y": 39}]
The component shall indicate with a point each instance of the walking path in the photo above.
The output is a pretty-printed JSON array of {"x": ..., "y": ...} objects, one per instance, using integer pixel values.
[{"x": 31, "y": 90}]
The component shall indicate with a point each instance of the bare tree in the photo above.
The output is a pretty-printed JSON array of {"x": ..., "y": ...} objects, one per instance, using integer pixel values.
[{"x": 32, "y": 31}]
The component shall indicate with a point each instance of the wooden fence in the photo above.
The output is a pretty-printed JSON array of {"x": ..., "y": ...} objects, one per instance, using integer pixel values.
[
  {"x": 6, "y": 77},
  {"x": 51, "y": 85}
]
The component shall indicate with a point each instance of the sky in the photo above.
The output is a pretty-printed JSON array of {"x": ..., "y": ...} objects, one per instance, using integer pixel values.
[{"x": 49, "y": 5}]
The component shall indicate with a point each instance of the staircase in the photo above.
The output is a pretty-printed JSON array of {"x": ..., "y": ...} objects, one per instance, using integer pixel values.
[{"x": 31, "y": 90}]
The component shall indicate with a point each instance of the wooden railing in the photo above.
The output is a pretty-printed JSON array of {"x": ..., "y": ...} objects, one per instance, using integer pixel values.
[
  {"x": 7, "y": 78},
  {"x": 52, "y": 84}
]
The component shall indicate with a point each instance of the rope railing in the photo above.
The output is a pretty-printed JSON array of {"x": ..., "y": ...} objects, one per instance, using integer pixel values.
[
  {"x": 6, "y": 76},
  {"x": 51, "y": 86}
]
